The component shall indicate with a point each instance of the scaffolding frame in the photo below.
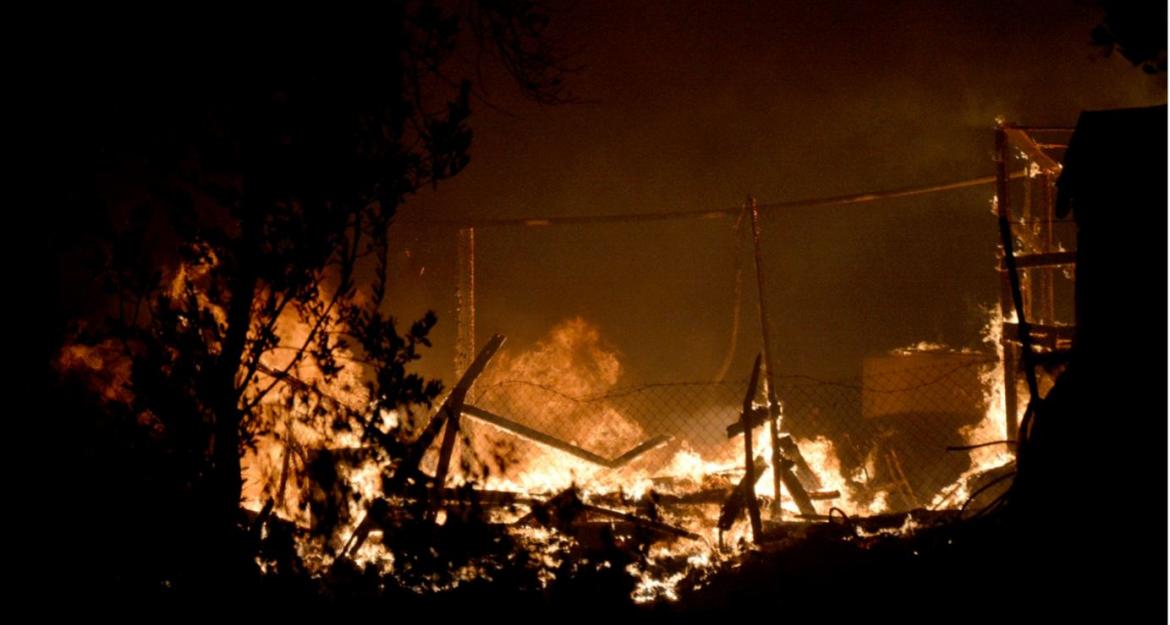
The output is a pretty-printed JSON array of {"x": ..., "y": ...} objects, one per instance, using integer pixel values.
[{"x": 1032, "y": 256}]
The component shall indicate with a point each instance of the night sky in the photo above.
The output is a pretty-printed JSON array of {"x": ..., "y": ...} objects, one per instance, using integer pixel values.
[{"x": 695, "y": 105}]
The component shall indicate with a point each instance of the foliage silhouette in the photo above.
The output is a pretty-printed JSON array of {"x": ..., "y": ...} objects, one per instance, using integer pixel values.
[{"x": 233, "y": 193}]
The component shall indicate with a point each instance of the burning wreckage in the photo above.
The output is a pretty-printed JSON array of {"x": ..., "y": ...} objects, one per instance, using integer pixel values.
[
  {"x": 606, "y": 490},
  {"x": 573, "y": 484},
  {"x": 666, "y": 513}
]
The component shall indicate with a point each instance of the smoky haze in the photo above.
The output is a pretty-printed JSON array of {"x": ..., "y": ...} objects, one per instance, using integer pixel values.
[{"x": 697, "y": 105}]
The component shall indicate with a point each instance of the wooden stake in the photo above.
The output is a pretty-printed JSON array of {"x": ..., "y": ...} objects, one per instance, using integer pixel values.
[
  {"x": 749, "y": 465},
  {"x": 773, "y": 402}
]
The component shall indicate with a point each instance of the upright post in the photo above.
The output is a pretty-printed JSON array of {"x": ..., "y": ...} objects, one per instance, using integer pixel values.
[
  {"x": 749, "y": 465},
  {"x": 769, "y": 361},
  {"x": 1024, "y": 329},
  {"x": 465, "y": 301}
]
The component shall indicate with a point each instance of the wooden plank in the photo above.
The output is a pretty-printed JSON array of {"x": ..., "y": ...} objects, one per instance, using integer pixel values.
[
  {"x": 807, "y": 476},
  {"x": 1050, "y": 259},
  {"x": 657, "y": 526},
  {"x": 1022, "y": 141},
  {"x": 454, "y": 410},
  {"x": 759, "y": 416},
  {"x": 1047, "y": 336},
  {"x": 795, "y": 488},
  {"x": 556, "y": 443},
  {"x": 641, "y": 448}
]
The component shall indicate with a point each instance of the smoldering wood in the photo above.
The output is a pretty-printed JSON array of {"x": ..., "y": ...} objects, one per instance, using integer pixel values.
[{"x": 537, "y": 436}]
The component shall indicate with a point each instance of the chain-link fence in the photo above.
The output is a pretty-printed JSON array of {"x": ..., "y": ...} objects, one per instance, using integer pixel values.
[{"x": 884, "y": 435}]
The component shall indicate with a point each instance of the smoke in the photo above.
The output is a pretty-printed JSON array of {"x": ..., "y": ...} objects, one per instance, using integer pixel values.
[{"x": 695, "y": 106}]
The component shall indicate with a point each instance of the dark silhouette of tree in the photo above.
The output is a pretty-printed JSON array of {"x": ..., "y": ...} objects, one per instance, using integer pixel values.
[
  {"x": 1136, "y": 30},
  {"x": 234, "y": 185}
]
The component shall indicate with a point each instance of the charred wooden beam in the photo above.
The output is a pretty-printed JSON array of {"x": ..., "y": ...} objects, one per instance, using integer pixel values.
[
  {"x": 734, "y": 504},
  {"x": 807, "y": 476},
  {"x": 1045, "y": 336},
  {"x": 749, "y": 465},
  {"x": 759, "y": 416},
  {"x": 450, "y": 410},
  {"x": 1022, "y": 141},
  {"x": 373, "y": 517},
  {"x": 642, "y": 522},
  {"x": 795, "y": 488},
  {"x": 565, "y": 509},
  {"x": 1049, "y": 259},
  {"x": 705, "y": 496},
  {"x": 559, "y": 511},
  {"x": 454, "y": 405},
  {"x": 551, "y": 441}
]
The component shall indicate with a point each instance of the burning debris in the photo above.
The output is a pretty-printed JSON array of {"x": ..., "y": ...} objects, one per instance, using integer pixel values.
[{"x": 649, "y": 506}]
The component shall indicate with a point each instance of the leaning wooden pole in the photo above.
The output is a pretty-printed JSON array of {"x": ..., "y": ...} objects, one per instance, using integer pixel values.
[
  {"x": 749, "y": 465},
  {"x": 769, "y": 362},
  {"x": 454, "y": 407},
  {"x": 1024, "y": 329}
]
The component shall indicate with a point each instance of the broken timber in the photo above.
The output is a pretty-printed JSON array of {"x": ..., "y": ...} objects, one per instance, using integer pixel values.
[
  {"x": 807, "y": 476},
  {"x": 556, "y": 443},
  {"x": 644, "y": 523},
  {"x": 759, "y": 416},
  {"x": 564, "y": 511},
  {"x": 447, "y": 414},
  {"x": 795, "y": 488},
  {"x": 752, "y": 417}
]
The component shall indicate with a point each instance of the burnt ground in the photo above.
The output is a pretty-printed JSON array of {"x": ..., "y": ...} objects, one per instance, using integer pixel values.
[{"x": 943, "y": 570}]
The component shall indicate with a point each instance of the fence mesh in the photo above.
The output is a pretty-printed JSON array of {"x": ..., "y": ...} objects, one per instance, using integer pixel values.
[{"x": 884, "y": 435}]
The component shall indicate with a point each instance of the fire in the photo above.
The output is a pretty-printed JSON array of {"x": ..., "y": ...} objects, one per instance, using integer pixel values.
[
  {"x": 992, "y": 427},
  {"x": 572, "y": 371}
]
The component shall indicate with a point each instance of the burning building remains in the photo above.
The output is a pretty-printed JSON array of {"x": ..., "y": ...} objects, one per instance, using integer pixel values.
[
  {"x": 540, "y": 459},
  {"x": 546, "y": 447}
]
